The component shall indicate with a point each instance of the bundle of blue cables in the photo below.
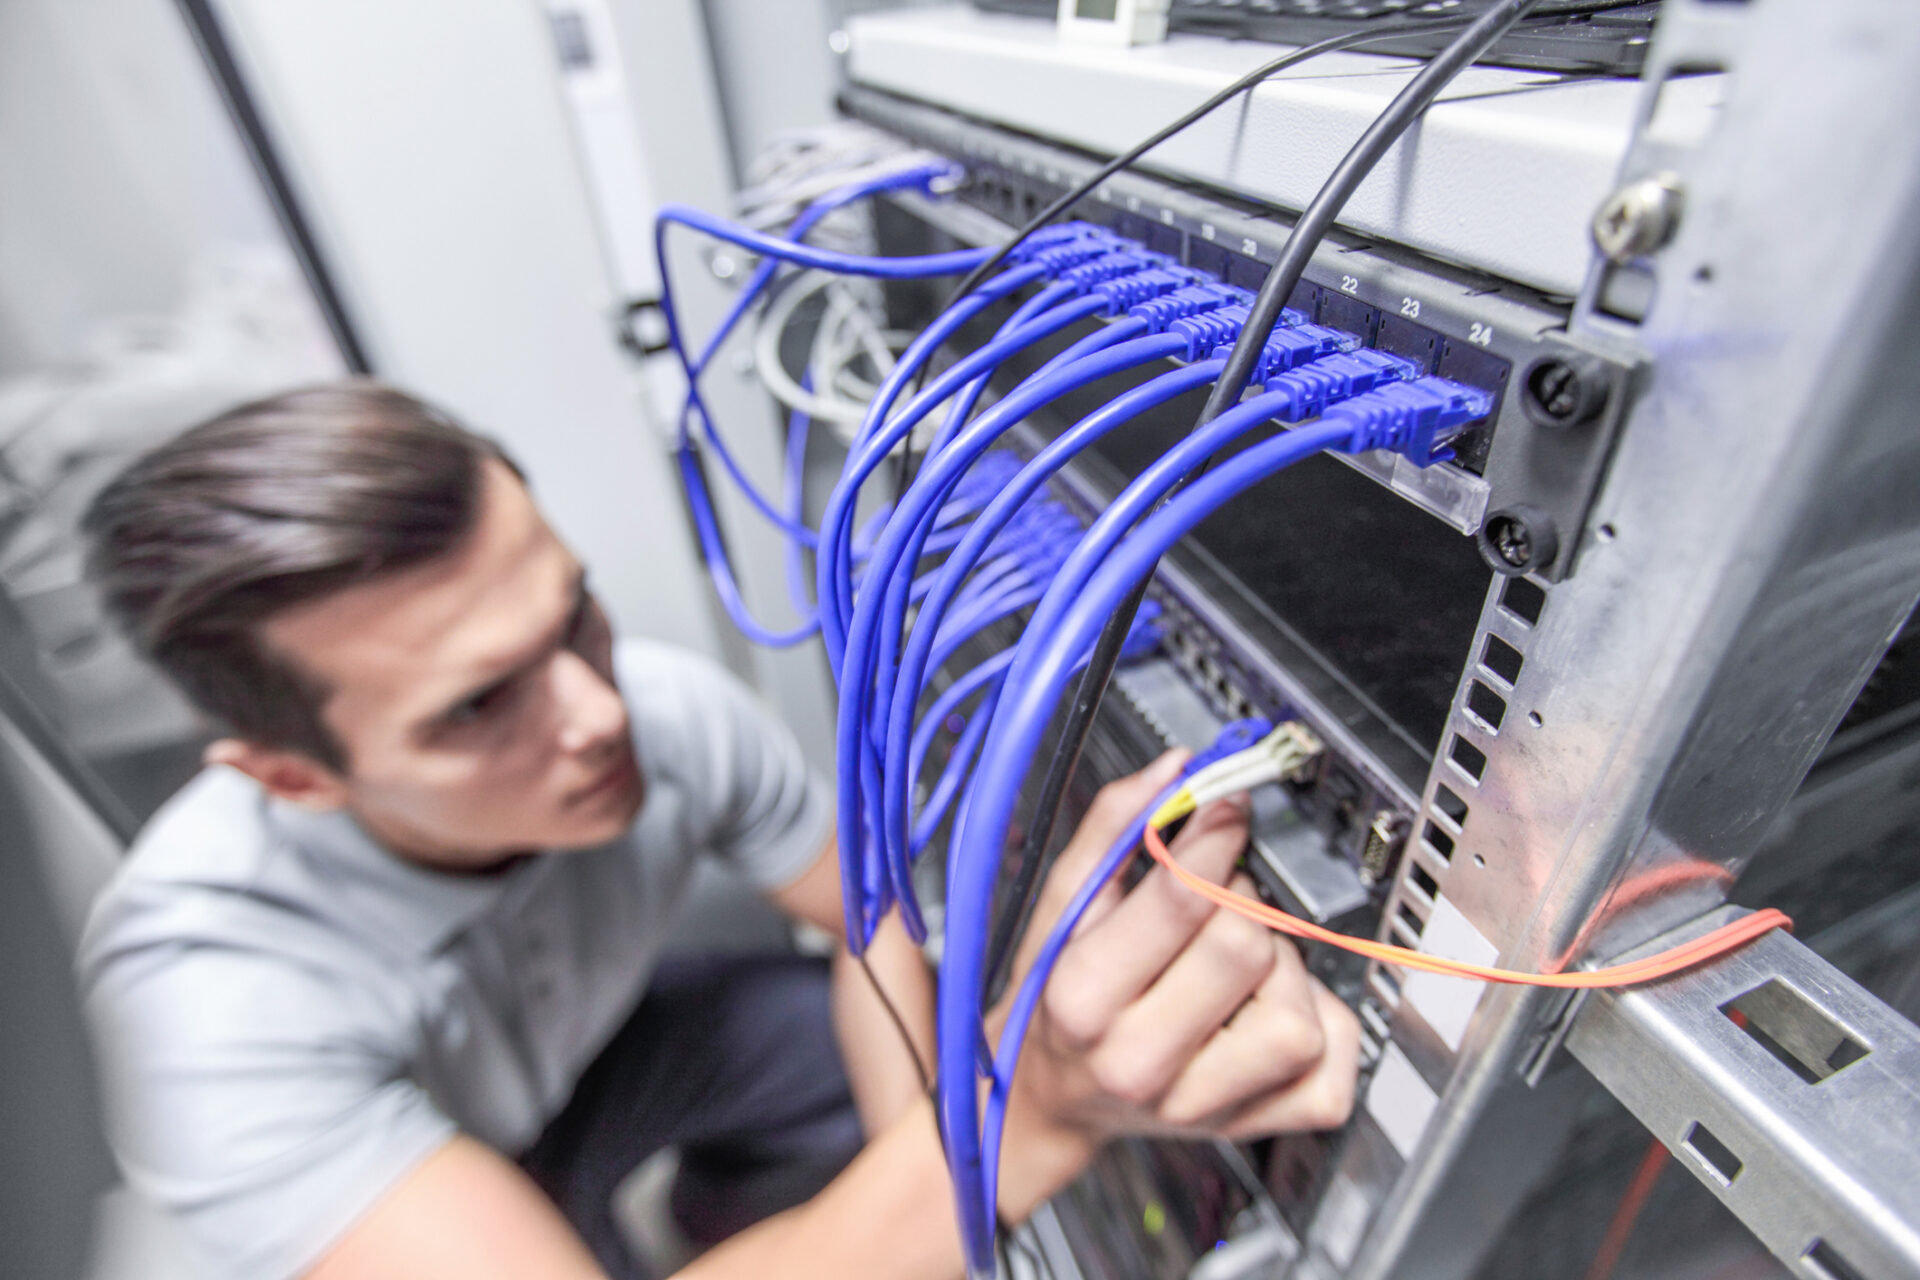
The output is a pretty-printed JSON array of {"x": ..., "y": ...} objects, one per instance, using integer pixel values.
[{"x": 1008, "y": 551}]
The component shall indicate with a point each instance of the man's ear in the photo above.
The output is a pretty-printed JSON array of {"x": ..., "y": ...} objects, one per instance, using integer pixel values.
[{"x": 291, "y": 775}]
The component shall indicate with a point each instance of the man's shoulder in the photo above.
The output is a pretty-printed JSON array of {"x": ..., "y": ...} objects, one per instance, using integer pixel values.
[
  {"x": 195, "y": 877},
  {"x": 653, "y": 669},
  {"x": 674, "y": 691}
]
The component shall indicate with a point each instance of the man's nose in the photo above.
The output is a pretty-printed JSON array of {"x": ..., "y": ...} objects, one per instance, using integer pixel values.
[{"x": 592, "y": 713}]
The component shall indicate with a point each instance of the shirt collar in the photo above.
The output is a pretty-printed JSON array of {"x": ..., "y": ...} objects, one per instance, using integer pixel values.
[{"x": 378, "y": 893}]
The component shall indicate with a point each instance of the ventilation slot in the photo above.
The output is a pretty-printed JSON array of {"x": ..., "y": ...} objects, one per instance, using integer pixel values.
[
  {"x": 1719, "y": 1162},
  {"x": 1484, "y": 703},
  {"x": 1802, "y": 1036},
  {"x": 1450, "y": 804},
  {"x": 1468, "y": 757},
  {"x": 1523, "y": 599},
  {"x": 1417, "y": 877},
  {"x": 1502, "y": 659},
  {"x": 1825, "y": 1262}
]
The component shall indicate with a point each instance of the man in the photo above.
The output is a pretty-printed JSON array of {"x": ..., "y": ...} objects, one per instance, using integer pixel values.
[{"x": 379, "y": 990}]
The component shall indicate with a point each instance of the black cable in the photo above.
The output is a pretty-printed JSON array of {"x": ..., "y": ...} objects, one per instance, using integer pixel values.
[
  {"x": 1128, "y": 158},
  {"x": 899, "y": 1025},
  {"x": 1275, "y": 290}
]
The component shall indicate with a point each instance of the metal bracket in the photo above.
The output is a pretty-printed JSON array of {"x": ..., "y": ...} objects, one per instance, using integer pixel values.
[{"x": 1786, "y": 1088}]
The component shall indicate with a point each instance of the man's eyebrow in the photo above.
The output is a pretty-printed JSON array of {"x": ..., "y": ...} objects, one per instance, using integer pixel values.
[{"x": 548, "y": 644}]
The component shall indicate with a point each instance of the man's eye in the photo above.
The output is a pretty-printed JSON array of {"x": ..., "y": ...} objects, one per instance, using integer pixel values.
[
  {"x": 478, "y": 707},
  {"x": 581, "y": 627}
]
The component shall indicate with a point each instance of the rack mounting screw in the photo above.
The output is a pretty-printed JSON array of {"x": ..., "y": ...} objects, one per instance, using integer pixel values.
[
  {"x": 1519, "y": 539},
  {"x": 1638, "y": 218},
  {"x": 1564, "y": 390}
]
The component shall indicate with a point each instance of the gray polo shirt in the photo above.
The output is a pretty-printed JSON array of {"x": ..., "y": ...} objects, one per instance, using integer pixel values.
[{"x": 291, "y": 1018}]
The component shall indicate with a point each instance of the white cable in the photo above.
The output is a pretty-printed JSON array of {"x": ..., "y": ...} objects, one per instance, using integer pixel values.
[
  {"x": 772, "y": 370},
  {"x": 1279, "y": 755}
]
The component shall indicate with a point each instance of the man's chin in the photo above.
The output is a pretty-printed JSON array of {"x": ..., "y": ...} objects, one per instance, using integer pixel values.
[{"x": 606, "y": 820}]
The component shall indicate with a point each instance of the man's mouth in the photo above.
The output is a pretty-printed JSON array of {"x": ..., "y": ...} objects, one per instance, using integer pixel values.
[{"x": 616, "y": 778}]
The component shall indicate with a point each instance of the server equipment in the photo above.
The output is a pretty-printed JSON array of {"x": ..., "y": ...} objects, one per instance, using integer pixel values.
[{"x": 1589, "y": 637}]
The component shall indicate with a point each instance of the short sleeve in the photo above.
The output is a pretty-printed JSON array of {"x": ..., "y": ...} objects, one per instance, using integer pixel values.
[
  {"x": 760, "y": 806},
  {"x": 267, "y": 1106}
]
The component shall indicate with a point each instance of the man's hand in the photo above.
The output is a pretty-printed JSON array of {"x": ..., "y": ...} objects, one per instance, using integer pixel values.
[{"x": 1167, "y": 1014}]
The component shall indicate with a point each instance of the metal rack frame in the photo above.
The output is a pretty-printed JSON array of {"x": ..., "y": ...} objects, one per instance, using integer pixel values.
[
  {"x": 1754, "y": 547},
  {"x": 1616, "y": 755}
]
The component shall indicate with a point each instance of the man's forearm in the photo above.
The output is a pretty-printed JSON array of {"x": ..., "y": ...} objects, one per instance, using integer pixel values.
[
  {"x": 884, "y": 1079},
  {"x": 890, "y": 1215}
]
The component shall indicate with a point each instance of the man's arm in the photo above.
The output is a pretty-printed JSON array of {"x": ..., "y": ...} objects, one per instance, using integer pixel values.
[
  {"x": 1164, "y": 1015},
  {"x": 465, "y": 1211},
  {"x": 886, "y": 1081}
]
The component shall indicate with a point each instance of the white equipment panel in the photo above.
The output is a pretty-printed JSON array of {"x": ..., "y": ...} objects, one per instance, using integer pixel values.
[{"x": 1503, "y": 175}]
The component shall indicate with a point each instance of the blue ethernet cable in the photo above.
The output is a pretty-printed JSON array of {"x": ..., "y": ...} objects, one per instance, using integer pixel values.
[
  {"x": 947, "y": 787},
  {"x": 943, "y": 326},
  {"x": 906, "y": 528},
  {"x": 921, "y": 177},
  {"x": 1236, "y": 736},
  {"x": 859, "y": 658},
  {"x": 1146, "y": 489},
  {"x": 720, "y": 570},
  {"x": 963, "y": 405},
  {"x": 1048, "y": 252},
  {"x": 1126, "y": 276},
  {"x": 914, "y": 663},
  {"x": 1286, "y": 394},
  {"x": 1301, "y": 393},
  {"x": 917, "y": 267},
  {"x": 1096, "y": 261},
  {"x": 986, "y": 674},
  {"x": 951, "y": 699},
  {"x": 776, "y": 250},
  {"x": 1043, "y": 255},
  {"x": 1191, "y": 330},
  {"x": 794, "y": 492},
  {"x": 901, "y": 543},
  {"x": 1412, "y": 418},
  {"x": 1012, "y": 740},
  {"x": 834, "y": 590},
  {"x": 993, "y": 607},
  {"x": 693, "y": 479},
  {"x": 879, "y": 618}
]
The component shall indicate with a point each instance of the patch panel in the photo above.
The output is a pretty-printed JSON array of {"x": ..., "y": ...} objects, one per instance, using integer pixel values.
[
  {"x": 1314, "y": 845},
  {"x": 1501, "y": 337}
]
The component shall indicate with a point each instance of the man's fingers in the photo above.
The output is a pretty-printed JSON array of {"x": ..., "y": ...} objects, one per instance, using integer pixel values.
[
  {"x": 1272, "y": 1041},
  {"x": 1114, "y": 806},
  {"x": 1322, "y": 1098},
  {"x": 1152, "y": 1039},
  {"x": 1116, "y": 958}
]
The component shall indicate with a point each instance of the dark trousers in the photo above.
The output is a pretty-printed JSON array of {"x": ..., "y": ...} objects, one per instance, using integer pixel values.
[{"x": 731, "y": 1059}]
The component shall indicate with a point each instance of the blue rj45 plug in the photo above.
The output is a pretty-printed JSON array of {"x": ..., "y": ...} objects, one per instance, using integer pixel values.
[
  {"x": 1414, "y": 419},
  {"x": 1055, "y": 236},
  {"x": 1126, "y": 292},
  {"x": 1337, "y": 377},
  {"x": 1294, "y": 341},
  {"x": 1290, "y": 346},
  {"x": 1189, "y": 300}
]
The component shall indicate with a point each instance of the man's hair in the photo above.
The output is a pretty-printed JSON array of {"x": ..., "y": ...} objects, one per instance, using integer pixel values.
[{"x": 271, "y": 505}]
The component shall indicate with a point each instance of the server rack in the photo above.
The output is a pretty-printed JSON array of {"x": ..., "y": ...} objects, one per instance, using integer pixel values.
[{"x": 1724, "y": 540}]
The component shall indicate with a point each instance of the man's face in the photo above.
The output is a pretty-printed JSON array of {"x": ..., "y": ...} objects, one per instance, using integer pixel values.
[{"x": 474, "y": 695}]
